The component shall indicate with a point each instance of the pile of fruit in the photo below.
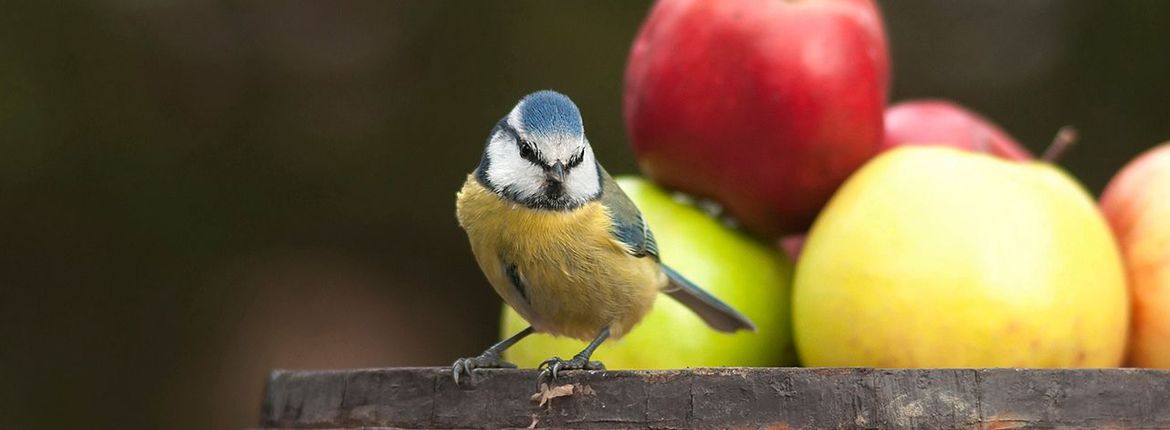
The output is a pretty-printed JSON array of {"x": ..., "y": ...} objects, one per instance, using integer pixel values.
[{"x": 925, "y": 236}]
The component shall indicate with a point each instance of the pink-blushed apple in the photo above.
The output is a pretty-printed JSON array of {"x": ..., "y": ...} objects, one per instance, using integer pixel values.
[
  {"x": 1137, "y": 204},
  {"x": 942, "y": 122},
  {"x": 763, "y": 106}
]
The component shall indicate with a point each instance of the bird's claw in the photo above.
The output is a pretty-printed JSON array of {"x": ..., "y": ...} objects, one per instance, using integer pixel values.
[
  {"x": 486, "y": 360},
  {"x": 553, "y": 366}
]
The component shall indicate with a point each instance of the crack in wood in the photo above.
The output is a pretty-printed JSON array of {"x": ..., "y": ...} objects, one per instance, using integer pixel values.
[
  {"x": 434, "y": 405},
  {"x": 978, "y": 397}
]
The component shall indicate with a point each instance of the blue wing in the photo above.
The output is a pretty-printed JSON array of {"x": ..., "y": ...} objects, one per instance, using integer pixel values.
[
  {"x": 628, "y": 226},
  {"x": 630, "y": 229},
  {"x": 720, "y": 316}
]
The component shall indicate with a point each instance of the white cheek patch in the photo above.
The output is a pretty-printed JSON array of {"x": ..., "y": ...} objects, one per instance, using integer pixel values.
[
  {"x": 582, "y": 182},
  {"x": 507, "y": 169}
]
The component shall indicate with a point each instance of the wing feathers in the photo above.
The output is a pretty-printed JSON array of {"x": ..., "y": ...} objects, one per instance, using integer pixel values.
[{"x": 714, "y": 312}]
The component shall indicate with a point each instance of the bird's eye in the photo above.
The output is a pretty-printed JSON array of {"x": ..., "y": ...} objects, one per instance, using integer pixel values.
[{"x": 526, "y": 151}]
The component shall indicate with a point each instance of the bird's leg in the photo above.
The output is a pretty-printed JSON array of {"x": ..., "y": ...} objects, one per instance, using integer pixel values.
[
  {"x": 490, "y": 359},
  {"x": 579, "y": 362}
]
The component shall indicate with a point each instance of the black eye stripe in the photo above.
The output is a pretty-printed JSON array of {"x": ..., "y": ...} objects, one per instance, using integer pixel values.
[
  {"x": 573, "y": 162},
  {"x": 527, "y": 149},
  {"x": 528, "y": 152}
]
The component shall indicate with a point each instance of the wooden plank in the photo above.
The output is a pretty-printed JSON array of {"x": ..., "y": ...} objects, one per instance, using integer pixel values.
[{"x": 724, "y": 397}]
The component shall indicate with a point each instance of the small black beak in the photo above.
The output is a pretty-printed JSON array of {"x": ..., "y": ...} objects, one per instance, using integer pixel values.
[{"x": 556, "y": 173}]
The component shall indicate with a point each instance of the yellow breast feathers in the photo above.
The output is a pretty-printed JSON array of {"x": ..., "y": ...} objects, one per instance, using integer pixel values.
[{"x": 563, "y": 271}]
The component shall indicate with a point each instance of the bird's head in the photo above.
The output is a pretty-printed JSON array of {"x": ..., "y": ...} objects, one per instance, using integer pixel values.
[{"x": 538, "y": 155}]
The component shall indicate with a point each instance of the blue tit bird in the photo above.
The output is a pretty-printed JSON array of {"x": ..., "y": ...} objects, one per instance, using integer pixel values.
[{"x": 560, "y": 242}]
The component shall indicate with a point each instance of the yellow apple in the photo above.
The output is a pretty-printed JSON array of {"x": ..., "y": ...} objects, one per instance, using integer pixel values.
[
  {"x": 748, "y": 275},
  {"x": 935, "y": 257},
  {"x": 1137, "y": 204}
]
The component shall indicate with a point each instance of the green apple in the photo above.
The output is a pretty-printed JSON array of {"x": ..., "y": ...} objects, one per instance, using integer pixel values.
[
  {"x": 748, "y": 275},
  {"x": 936, "y": 257}
]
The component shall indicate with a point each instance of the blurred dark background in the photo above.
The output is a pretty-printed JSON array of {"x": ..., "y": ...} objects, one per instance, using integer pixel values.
[{"x": 192, "y": 193}]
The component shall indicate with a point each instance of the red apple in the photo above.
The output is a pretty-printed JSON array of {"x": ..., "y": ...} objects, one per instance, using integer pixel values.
[
  {"x": 763, "y": 106},
  {"x": 1137, "y": 205},
  {"x": 940, "y": 122}
]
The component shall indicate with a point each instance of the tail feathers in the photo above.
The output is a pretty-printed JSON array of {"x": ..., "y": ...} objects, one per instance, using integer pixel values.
[{"x": 713, "y": 311}]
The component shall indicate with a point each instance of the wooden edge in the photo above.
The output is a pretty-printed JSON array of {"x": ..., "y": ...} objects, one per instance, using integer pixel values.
[{"x": 721, "y": 397}]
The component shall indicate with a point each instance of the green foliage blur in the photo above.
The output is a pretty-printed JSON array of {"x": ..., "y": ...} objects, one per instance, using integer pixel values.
[{"x": 192, "y": 193}]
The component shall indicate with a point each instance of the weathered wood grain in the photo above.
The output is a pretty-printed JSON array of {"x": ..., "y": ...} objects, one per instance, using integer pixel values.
[{"x": 724, "y": 397}]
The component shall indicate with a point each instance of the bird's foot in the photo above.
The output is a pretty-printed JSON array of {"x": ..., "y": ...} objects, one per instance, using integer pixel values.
[
  {"x": 487, "y": 360},
  {"x": 555, "y": 365}
]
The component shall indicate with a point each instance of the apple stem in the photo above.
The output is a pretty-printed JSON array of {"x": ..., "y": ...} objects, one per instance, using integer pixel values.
[{"x": 1064, "y": 139}]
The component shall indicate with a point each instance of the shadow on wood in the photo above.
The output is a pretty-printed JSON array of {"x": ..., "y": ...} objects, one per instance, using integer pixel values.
[{"x": 723, "y": 397}]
